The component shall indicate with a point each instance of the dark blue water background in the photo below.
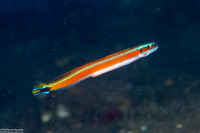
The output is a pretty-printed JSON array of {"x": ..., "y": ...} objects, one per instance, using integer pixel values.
[{"x": 41, "y": 40}]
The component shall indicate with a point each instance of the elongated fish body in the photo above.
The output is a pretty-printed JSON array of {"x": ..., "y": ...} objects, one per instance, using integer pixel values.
[{"x": 95, "y": 68}]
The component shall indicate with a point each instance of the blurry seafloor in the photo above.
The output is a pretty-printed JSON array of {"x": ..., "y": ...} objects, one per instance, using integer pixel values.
[{"x": 157, "y": 94}]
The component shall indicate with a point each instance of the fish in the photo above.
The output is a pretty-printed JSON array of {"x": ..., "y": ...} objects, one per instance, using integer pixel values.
[{"x": 95, "y": 68}]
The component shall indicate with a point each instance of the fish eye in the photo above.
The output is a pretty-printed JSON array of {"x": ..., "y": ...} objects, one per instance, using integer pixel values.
[{"x": 140, "y": 50}]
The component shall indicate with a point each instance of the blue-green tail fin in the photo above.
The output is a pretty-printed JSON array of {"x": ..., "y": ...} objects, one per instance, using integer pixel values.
[{"x": 41, "y": 90}]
